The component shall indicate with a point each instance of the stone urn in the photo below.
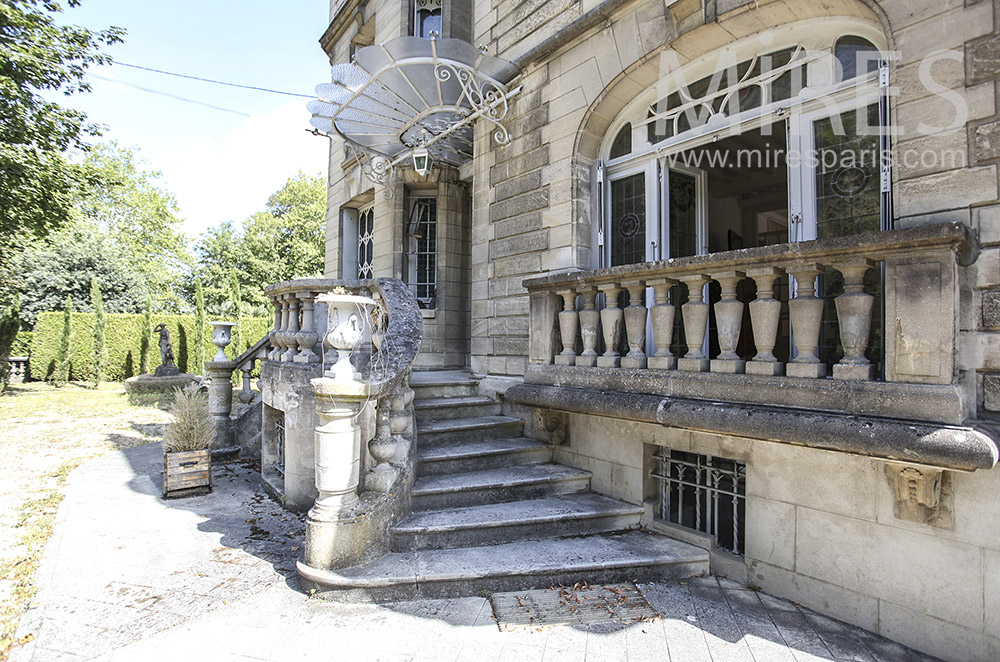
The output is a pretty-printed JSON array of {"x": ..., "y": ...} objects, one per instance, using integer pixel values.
[
  {"x": 348, "y": 323},
  {"x": 222, "y": 334}
]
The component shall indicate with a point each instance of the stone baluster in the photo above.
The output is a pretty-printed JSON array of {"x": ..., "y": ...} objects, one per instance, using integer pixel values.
[
  {"x": 729, "y": 321},
  {"x": 245, "y": 394},
  {"x": 662, "y": 317},
  {"x": 695, "y": 316},
  {"x": 275, "y": 347},
  {"x": 281, "y": 336},
  {"x": 806, "y": 313},
  {"x": 292, "y": 347},
  {"x": 765, "y": 313},
  {"x": 307, "y": 337},
  {"x": 382, "y": 447},
  {"x": 568, "y": 322},
  {"x": 611, "y": 325},
  {"x": 854, "y": 315},
  {"x": 590, "y": 325},
  {"x": 635, "y": 325}
]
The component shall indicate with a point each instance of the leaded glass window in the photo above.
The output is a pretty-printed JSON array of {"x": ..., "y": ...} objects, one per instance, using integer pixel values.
[
  {"x": 848, "y": 195},
  {"x": 628, "y": 220},
  {"x": 683, "y": 210}
]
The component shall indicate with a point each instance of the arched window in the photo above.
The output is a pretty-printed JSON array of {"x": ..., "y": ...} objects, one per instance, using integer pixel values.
[
  {"x": 622, "y": 144},
  {"x": 426, "y": 18},
  {"x": 850, "y": 51}
]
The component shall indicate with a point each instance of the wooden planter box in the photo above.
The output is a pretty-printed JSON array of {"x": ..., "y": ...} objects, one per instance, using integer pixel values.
[{"x": 187, "y": 473}]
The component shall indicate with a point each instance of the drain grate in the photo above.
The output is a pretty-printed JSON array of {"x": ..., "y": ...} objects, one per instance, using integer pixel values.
[{"x": 571, "y": 605}]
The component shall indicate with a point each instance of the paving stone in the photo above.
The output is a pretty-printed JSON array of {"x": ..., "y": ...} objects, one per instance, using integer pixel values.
[{"x": 223, "y": 597}]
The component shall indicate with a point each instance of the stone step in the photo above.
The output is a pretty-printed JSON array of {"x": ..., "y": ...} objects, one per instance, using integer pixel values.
[
  {"x": 472, "y": 406},
  {"x": 468, "y": 571},
  {"x": 459, "y": 458},
  {"x": 464, "y": 430},
  {"x": 571, "y": 514},
  {"x": 497, "y": 486},
  {"x": 442, "y": 384}
]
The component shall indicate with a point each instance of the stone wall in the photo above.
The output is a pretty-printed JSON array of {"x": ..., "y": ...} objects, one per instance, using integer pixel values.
[{"x": 821, "y": 530}]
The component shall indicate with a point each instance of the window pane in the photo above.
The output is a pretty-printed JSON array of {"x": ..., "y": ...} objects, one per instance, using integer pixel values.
[
  {"x": 683, "y": 210},
  {"x": 422, "y": 238},
  {"x": 622, "y": 144},
  {"x": 847, "y": 53},
  {"x": 366, "y": 243},
  {"x": 847, "y": 176},
  {"x": 428, "y": 21},
  {"x": 628, "y": 220}
]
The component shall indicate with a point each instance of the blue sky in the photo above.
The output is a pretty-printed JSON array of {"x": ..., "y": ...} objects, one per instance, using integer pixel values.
[{"x": 220, "y": 165}]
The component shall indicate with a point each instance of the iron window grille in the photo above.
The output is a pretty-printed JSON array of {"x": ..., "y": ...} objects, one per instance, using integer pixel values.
[
  {"x": 366, "y": 243},
  {"x": 704, "y": 493},
  {"x": 279, "y": 440},
  {"x": 421, "y": 235}
]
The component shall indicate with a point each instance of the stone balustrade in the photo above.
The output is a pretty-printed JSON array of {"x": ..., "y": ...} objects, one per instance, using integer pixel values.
[
  {"x": 577, "y": 318},
  {"x": 299, "y": 322}
]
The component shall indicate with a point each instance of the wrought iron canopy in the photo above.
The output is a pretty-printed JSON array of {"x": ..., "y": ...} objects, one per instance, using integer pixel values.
[{"x": 413, "y": 93}]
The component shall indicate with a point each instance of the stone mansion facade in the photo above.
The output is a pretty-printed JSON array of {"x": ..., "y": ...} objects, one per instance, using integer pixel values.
[{"x": 739, "y": 260}]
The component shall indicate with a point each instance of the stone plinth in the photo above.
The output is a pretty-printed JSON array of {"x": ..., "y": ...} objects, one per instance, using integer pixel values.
[
  {"x": 220, "y": 401},
  {"x": 158, "y": 384},
  {"x": 336, "y": 528}
]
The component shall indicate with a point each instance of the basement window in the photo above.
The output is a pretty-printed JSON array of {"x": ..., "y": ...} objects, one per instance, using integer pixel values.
[
  {"x": 279, "y": 440},
  {"x": 703, "y": 493}
]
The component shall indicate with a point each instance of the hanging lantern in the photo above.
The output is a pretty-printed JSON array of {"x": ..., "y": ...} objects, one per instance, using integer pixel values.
[{"x": 421, "y": 161}]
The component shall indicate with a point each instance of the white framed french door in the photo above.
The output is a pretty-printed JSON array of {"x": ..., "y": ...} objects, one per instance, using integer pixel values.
[
  {"x": 683, "y": 208},
  {"x": 654, "y": 212},
  {"x": 631, "y": 228}
]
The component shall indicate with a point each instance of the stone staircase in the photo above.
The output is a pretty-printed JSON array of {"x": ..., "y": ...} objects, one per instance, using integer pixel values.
[{"x": 493, "y": 512}]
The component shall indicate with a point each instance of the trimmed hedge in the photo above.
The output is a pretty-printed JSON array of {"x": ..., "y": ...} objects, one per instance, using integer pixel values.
[
  {"x": 22, "y": 344},
  {"x": 123, "y": 336}
]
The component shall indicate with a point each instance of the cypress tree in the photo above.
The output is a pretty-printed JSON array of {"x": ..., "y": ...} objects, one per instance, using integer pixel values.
[
  {"x": 100, "y": 349},
  {"x": 10, "y": 324},
  {"x": 236, "y": 295},
  {"x": 63, "y": 359},
  {"x": 146, "y": 343},
  {"x": 199, "y": 328}
]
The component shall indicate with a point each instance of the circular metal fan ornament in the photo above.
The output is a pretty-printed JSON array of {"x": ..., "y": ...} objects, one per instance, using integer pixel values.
[{"x": 413, "y": 98}]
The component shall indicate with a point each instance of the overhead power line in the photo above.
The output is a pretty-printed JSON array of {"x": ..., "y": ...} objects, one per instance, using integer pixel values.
[
  {"x": 167, "y": 94},
  {"x": 209, "y": 80}
]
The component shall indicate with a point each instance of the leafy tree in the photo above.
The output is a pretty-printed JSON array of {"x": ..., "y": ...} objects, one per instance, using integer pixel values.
[
  {"x": 100, "y": 350},
  {"x": 146, "y": 344},
  {"x": 282, "y": 243},
  {"x": 142, "y": 220},
  {"x": 199, "y": 323},
  {"x": 66, "y": 263},
  {"x": 38, "y": 183},
  {"x": 64, "y": 358},
  {"x": 10, "y": 324},
  {"x": 217, "y": 255}
]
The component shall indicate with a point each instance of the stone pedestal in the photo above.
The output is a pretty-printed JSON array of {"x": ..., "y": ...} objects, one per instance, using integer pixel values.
[
  {"x": 220, "y": 401},
  {"x": 334, "y": 530}
]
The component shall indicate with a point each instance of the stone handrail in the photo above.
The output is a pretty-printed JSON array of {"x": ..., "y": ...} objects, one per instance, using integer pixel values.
[
  {"x": 354, "y": 509},
  {"x": 920, "y": 267}
]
